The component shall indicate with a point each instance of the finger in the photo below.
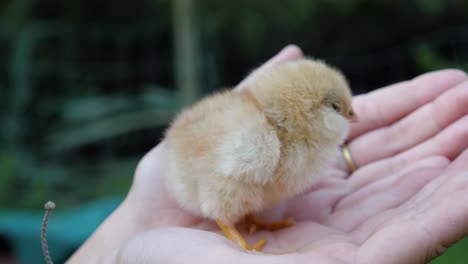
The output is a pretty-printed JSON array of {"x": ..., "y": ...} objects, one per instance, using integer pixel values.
[
  {"x": 415, "y": 128},
  {"x": 447, "y": 183},
  {"x": 423, "y": 232},
  {"x": 449, "y": 143},
  {"x": 385, "y": 106},
  {"x": 454, "y": 181},
  {"x": 382, "y": 195},
  {"x": 289, "y": 53},
  {"x": 361, "y": 192}
]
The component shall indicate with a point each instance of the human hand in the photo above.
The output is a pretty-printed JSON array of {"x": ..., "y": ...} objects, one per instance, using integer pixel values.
[{"x": 403, "y": 205}]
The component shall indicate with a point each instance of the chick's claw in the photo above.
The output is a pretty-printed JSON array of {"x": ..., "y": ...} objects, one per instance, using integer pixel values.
[
  {"x": 231, "y": 232},
  {"x": 252, "y": 228},
  {"x": 256, "y": 223},
  {"x": 259, "y": 245}
]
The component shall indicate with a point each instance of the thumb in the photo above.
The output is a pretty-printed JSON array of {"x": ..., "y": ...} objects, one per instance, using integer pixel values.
[{"x": 179, "y": 245}]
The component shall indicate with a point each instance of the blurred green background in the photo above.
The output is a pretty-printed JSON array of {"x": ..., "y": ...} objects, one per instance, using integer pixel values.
[{"x": 87, "y": 87}]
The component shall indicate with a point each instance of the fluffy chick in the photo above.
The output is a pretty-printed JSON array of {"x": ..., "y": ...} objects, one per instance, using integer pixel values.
[{"x": 239, "y": 152}]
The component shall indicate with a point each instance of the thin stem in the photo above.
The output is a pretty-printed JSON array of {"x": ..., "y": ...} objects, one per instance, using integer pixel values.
[{"x": 49, "y": 206}]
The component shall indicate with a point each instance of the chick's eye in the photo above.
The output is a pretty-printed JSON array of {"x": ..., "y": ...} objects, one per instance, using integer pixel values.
[{"x": 336, "y": 107}]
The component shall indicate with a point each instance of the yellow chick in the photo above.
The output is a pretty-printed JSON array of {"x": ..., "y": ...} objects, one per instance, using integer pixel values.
[{"x": 239, "y": 152}]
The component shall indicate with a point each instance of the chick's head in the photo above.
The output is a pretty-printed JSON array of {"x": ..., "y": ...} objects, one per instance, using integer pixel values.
[{"x": 305, "y": 99}]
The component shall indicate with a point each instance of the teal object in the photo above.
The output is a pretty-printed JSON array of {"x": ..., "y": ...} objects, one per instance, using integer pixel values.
[{"x": 67, "y": 229}]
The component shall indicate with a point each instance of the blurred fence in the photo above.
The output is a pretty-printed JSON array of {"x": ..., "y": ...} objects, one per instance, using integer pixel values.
[{"x": 62, "y": 60}]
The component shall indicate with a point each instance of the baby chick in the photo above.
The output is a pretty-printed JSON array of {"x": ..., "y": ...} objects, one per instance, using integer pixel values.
[{"x": 239, "y": 152}]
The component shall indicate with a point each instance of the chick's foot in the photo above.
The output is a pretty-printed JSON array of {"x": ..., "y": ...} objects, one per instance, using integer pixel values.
[
  {"x": 255, "y": 223},
  {"x": 231, "y": 232}
]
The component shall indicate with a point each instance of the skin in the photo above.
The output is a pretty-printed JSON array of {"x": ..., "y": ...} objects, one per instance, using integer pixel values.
[{"x": 406, "y": 203}]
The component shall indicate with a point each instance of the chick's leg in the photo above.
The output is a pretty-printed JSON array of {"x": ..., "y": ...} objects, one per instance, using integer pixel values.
[
  {"x": 231, "y": 232},
  {"x": 255, "y": 223}
]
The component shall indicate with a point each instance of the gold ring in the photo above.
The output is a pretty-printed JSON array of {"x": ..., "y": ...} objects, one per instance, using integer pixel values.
[{"x": 349, "y": 160}]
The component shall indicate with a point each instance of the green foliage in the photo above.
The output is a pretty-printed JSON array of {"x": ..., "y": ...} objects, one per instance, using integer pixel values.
[
  {"x": 7, "y": 172},
  {"x": 96, "y": 118},
  {"x": 429, "y": 59},
  {"x": 457, "y": 254}
]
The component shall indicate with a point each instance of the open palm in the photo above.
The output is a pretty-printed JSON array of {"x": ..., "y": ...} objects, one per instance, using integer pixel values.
[{"x": 405, "y": 204}]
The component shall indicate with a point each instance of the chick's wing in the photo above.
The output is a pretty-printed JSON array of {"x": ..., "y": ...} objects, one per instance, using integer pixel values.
[
  {"x": 230, "y": 136},
  {"x": 249, "y": 150}
]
